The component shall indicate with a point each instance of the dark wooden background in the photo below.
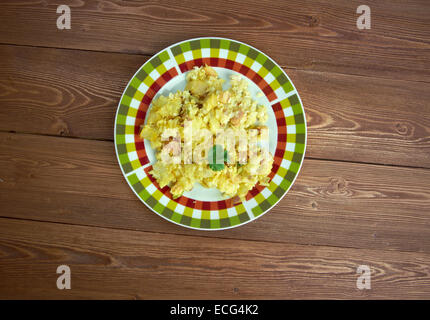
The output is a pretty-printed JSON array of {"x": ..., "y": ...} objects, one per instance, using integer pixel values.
[{"x": 362, "y": 197}]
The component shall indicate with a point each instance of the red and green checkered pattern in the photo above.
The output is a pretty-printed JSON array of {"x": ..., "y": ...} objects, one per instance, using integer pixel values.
[{"x": 223, "y": 53}]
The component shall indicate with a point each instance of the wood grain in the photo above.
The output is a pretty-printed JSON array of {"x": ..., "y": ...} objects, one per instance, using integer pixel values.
[
  {"x": 119, "y": 264},
  {"x": 318, "y": 35},
  {"x": 352, "y": 118},
  {"x": 332, "y": 203},
  {"x": 62, "y": 92},
  {"x": 63, "y": 200},
  {"x": 365, "y": 119}
]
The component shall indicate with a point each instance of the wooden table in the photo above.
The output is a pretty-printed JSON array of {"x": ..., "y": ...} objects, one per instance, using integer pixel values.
[{"x": 361, "y": 198}]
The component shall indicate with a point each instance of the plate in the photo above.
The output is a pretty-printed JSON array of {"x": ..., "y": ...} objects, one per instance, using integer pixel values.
[{"x": 202, "y": 208}]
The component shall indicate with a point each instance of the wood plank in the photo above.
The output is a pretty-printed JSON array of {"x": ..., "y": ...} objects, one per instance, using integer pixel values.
[
  {"x": 62, "y": 92},
  {"x": 119, "y": 264},
  {"x": 332, "y": 203},
  {"x": 365, "y": 119},
  {"x": 352, "y": 118},
  {"x": 316, "y": 35}
]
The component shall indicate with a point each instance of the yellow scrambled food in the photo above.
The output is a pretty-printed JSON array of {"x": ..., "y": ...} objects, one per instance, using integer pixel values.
[{"x": 203, "y": 111}]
